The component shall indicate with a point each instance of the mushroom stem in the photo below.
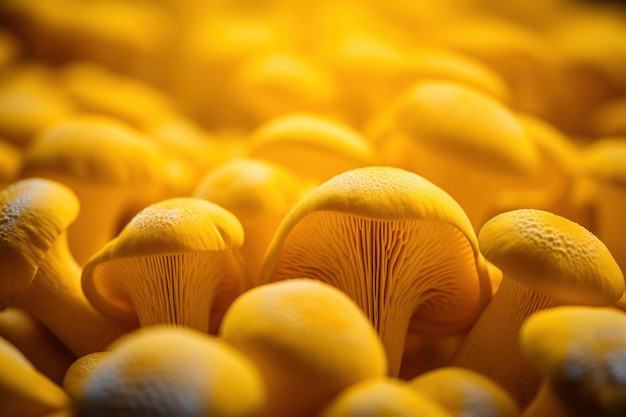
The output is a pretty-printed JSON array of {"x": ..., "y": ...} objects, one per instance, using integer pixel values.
[
  {"x": 86, "y": 236},
  {"x": 56, "y": 299},
  {"x": 495, "y": 335}
]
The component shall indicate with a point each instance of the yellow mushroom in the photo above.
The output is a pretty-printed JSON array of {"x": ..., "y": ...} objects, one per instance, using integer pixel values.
[
  {"x": 546, "y": 261},
  {"x": 80, "y": 370},
  {"x": 590, "y": 50},
  {"x": 309, "y": 341},
  {"x": 435, "y": 130},
  {"x": 398, "y": 245},
  {"x": 28, "y": 106},
  {"x": 382, "y": 397},
  {"x": 280, "y": 82},
  {"x": 464, "y": 393},
  {"x": 579, "y": 352},
  {"x": 24, "y": 391},
  {"x": 176, "y": 262},
  {"x": 555, "y": 186},
  {"x": 259, "y": 194},
  {"x": 518, "y": 53},
  {"x": 47, "y": 354},
  {"x": 97, "y": 89},
  {"x": 113, "y": 169},
  {"x": 210, "y": 51},
  {"x": 604, "y": 164},
  {"x": 172, "y": 372},
  {"x": 314, "y": 147},
  {"x": 39, "y": 274}
]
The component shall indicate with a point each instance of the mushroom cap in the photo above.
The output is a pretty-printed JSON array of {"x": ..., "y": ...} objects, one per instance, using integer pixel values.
[
  {"x": 313, "y": 147},
  {"x": 308, "y": 339},
  {"x": 443, "y": 116},
  {"x": 605, "y": 161},
  {"x": 33, "y": 213},
  {"x": 463, "y": 392},
  {"x": 172, "y": 371},
  {"x": 581, "y": 353},
  {"x": 95, "y": 149},
  {"x": 250, "y": 188},
  {"x": 374, "y": 193},
  {"x": 78, "y": 372},
  {"x": 173, "y": 226},
  {"x": 380, "y": 397},
  {"x": 552, "y": 255},
  {"x": 310, "y": 328}
]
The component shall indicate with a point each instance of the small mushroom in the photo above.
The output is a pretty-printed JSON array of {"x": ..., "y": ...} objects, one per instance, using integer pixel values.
[
  {"x": 398, "y": 245},
  {"x": 381, "y": 397},
  {"x": 259, "y": 194},
  {"x": 96, "y": 89},
  {"x": 80, "y": 370},
  {"x": 113, "y": 170},
  {"x": 39, "y": 274},
  {"x": 28, "y": 106},
  {"x": 314, "y": 147},
  {"x": 435, "y": 130},
  {"x": 168, "y": 371},
  {"x": 604, "y": 165},
  {"x": 279, "y": 82},
  {"x": 309, "y": 341},
  {"x": 546, "y": 261},
  {"x": 176, "y": 262},
  {"x": 590, "y": 52},
  {"x": 580, "y": 352},
  {"x": 24, "y": 391},
  {"x": 463, "y": 393},
  {"x": 517, "y": 53}
]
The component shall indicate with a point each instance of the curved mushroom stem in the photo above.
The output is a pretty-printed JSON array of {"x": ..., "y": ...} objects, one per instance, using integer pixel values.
[
  {"x": 56, "y": 299},
  {"x": 492, "y": 345},
  {"x": 101, "y": 209}
]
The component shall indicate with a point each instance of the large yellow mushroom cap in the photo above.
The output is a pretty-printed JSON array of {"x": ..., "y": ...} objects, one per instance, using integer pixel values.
[
  {"x": 172, "y": 372},
  {"x": 33, "y": 213},
  {"x": 393, "y": 241},
  {"x": 553, "y": 255}
]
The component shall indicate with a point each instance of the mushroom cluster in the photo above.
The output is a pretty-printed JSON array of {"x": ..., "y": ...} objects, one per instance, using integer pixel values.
[{"x": 279, "y": 208}]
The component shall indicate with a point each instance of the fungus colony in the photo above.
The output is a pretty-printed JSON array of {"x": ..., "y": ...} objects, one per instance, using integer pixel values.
[{"x": 317, "y": 209}]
